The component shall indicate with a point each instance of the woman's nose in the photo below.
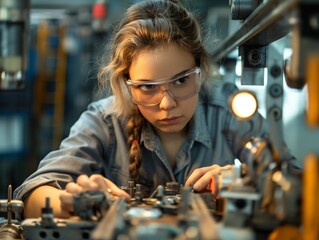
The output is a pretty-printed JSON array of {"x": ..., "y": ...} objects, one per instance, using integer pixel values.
[{"x": 167, "y": 101}]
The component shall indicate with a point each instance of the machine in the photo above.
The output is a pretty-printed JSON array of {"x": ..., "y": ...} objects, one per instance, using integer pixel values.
[
  {"x": 14, "y": 26},
  {"x": 262, "y": 197}
]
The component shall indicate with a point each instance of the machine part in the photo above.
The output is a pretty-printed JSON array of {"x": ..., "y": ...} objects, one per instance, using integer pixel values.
[
  {"x": 253, "y": 64},
  {"x": 225, "y": 179},
  {"x": 240, "y": 206},
  {"x": 157, "y": 231},
  {"x": 253, "y": 56},
  {"x": 131, "y": 188},
  {"x": 252, "y": 76},
  {"x": 138, "y": 194},
  {"x": 192, "y": 220},
  {"x": 254, "y": 153},
  {"x": 275, "y": 90},
  {"x": 172, "y": 188},
  {"x": 64, "y": 229},
  {"x": 274, "y": 117},
  {"x": 241, "y": 9},
  {"x": 145, "y": 213},
  {"x": 287, "y": 195},
  {"x": 91, "y": 205},
  {"x": 11, "y": 229},
  {"x": 47, "y": 219},
  {"x": 14, "y": 25},
  {"x": 275, "y": 71},
  {"x": 11, "y": 206},
  {"x": 275, "y": 99},
  {"x": 200, "y": 219},
  {"x": 11, "y": 232},
  {"x": 291, "y": 80},
  {"x": 266, "y": 24},
  {"x": 305, "y": 34},
  {"x": 113, "y": 222}
]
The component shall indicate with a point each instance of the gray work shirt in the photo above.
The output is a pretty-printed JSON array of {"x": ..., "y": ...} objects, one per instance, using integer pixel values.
[{"x": 97, "y": 144}]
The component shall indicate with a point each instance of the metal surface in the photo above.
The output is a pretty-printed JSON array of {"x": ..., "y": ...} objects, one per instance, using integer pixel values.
[
  {"x": 182, "y": 216},
  {"x": 10, "y": 229},
  {"x": 14, "y": 17},
  {"x": 266, "y": 24}
]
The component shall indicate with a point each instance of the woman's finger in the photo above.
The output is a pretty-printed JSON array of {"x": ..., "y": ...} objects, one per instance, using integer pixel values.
[
  {"x": 107, "y": 185},
  {"x": 203, "y": 184},
  {"x": 67, "y": 202},
  {"x": 73, "y": 188},
  {"x": 116, "y": 191},
  {"x": 200, "y": 179},
  {"x": 198, "y": 173},
  {"x": 99, "y": 180},
  {"x": 86, "y": 183}
]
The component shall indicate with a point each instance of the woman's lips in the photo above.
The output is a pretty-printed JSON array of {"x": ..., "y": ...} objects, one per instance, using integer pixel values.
[{"x": 170, "y": 121}]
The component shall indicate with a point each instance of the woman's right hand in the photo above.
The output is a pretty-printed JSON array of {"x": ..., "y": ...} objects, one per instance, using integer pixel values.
[{"x": 88, "y": 183}]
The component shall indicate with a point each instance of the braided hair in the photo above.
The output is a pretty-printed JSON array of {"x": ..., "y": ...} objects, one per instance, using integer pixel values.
[{"x": 134, "y": 126}]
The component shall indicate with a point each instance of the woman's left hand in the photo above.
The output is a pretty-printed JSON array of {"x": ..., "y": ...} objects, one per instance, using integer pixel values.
[{"x": 201, "y": 177}]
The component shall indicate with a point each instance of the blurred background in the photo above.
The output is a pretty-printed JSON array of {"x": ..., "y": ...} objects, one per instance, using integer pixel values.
[{"x": 56, "y": 45}]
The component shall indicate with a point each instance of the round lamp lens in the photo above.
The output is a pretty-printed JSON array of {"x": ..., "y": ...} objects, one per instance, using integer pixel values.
[{"x": 244, "y": 104}]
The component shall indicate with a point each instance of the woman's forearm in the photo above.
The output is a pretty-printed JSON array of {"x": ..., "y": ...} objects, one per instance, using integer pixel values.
[{"x": 34, "y": 203}]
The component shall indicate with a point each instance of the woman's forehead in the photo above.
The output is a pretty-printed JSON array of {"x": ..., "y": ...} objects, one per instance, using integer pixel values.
[{"x": 161, "y": 62}]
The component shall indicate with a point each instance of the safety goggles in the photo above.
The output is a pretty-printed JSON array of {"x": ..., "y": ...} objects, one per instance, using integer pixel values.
[{"x": 179, "y": 87}]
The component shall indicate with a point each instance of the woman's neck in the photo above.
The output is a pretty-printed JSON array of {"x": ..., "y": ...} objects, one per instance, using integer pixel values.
[{"x": 172, "y": 143}]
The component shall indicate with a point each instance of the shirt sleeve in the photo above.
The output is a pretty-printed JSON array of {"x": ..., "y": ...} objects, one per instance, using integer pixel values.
[{"x": 80, "y": 153}]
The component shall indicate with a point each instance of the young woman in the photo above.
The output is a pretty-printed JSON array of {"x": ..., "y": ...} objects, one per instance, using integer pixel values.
[{"x": 164, "y": 121}]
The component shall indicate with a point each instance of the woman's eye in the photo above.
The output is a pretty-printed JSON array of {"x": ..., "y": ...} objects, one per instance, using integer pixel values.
[
  {"x": 147, "y": 87},
  {"x": 181, "y": 80}
]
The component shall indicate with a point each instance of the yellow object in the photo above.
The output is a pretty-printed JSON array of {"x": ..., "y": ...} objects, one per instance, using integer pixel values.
[
  {"x": 285, "y": 232},
  {"x": 52, "y": 72},
  {"x": 313, "y": 90},
  {"x": 310, "y": 218}
]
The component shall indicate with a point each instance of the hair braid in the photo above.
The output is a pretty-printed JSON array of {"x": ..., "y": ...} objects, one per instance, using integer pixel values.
[{"x": 134, "y": 126}]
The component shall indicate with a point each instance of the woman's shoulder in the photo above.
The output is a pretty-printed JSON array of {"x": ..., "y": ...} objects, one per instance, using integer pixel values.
[
  {"x": 99, "y": 113},
  {"x": 103, "y": 107},
  {"x": 100, "y": 110},
  {"x": 102, "y": 104}
]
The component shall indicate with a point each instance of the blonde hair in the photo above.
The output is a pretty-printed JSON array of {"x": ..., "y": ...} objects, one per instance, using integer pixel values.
[{"x": 147, "y": 25}]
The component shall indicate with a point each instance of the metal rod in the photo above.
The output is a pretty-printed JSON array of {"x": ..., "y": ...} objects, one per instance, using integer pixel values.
[
  {"x": 263, "y": 18},
  {"x": 9, "y": 213}
]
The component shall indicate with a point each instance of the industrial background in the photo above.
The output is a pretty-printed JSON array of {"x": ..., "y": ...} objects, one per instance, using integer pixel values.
[{"x": 56, "y": 45}]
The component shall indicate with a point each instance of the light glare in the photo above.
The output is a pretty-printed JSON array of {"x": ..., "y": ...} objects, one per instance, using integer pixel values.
[{"x": 244, "y": 104}]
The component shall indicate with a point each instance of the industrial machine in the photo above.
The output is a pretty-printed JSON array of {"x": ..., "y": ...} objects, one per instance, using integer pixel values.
[
  {"x": 14, "y": 27},
  {"x": 171, "y": 212},
  {"x": 261, "y": 196}
]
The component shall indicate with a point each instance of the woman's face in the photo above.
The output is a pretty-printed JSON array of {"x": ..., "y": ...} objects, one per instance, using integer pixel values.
[{"x": 170, "y": 115}]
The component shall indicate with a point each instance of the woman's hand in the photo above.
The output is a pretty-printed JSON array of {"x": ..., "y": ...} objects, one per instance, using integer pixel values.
[
  {"x": 85, "y": 183},
  {"x": 201, "y": 177}
]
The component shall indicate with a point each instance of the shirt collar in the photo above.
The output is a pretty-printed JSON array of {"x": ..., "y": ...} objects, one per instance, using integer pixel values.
[{"x": 198, "y": 126}]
